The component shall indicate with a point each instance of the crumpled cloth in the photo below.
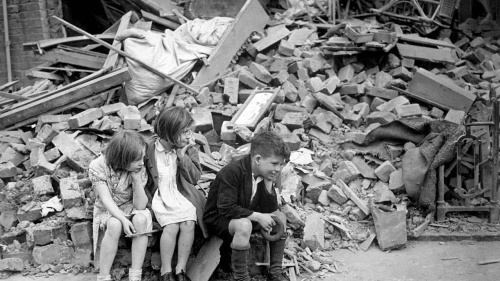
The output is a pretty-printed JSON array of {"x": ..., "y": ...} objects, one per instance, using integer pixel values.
[{"x": 174, "y": 53}]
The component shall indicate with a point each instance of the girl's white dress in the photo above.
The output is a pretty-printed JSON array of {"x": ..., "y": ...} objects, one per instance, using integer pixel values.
[{"x": 169, "y": 205}]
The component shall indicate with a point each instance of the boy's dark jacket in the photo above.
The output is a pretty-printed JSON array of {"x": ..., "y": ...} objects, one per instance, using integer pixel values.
[
  {"x": 188, "y": 174},
  {"x": 231, "y": 191}
]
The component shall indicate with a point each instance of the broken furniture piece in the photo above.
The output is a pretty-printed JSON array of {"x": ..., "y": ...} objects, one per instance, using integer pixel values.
[
  {"x": 472, "y": 143},
  {"x": 427, "y": 15}
]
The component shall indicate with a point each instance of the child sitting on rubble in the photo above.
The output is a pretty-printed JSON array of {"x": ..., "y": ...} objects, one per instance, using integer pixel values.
[
  {"x": 118, "y": 177},
  {"x": 174, "y": 169}
]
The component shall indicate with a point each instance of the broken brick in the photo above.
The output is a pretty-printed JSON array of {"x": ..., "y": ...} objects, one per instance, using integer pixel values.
[
  {"x": 314, "y": 232},
  {"x": 455, "y": 116},
  {"x": 390, "y": 228},
  {"x": 70, "y": 193},
  {"x": 42, "y": 185},
  {"x": 408, "y": 110},
  {"x": 81, "y": 235},
  {"x": 293, "y": 120},
  {"x": 44, "y": 235},
  {"x": 52, "y": 254},
  {"x": 381, "y": 117},
  {"x": 384, "y": 171},
  {"x": 260, "y": 72},
  {"x": 393, "y": 103},
  {"x": 85, "y": 117},
  {"x": 203, "y": 121},
  {"x": 112, "y": 108},
  {"x": 247, "y": 78},
  {"x": 46, "y": 134},
  {"x": 7, "y": 170},
  {"x": 337, "y": 195},
  {"x": 11, "y": 264}
]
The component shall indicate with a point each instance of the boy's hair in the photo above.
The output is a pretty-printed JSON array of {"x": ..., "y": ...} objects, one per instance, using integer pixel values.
[
  {"x": 267, "y": 144},
  {"x": 124, "y": 148},
  {"x": 170, "y": 123}
]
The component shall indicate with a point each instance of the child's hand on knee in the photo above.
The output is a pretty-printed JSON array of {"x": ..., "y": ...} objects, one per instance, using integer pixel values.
[{"x": 128, "y": 227}]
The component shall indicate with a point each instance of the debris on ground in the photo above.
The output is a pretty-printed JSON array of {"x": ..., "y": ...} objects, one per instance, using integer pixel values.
[{"x": 370, "y": 109}]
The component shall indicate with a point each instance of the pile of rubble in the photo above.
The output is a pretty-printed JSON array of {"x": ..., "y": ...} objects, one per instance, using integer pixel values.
[{"x": 334, "y": 94}]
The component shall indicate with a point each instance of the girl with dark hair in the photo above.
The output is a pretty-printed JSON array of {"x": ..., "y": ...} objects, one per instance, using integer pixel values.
[
  {"x": 118, "y": 177},
  {"x": 174, "y": 168}
]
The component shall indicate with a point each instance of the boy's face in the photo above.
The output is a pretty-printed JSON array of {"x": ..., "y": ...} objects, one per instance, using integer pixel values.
[{"x": 269, "y": 167}]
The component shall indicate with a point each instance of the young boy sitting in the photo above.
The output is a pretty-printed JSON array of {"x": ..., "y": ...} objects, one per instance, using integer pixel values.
[{"x": 243, "y": 197}]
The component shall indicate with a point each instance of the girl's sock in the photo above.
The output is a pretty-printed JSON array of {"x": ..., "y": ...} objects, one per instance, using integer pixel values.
[{"x": 134, "y": 274}]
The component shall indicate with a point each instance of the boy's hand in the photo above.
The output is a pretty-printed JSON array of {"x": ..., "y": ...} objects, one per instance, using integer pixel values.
[
  {"x": 128, "y": 226},
  {"x": 267, "y": 222}
]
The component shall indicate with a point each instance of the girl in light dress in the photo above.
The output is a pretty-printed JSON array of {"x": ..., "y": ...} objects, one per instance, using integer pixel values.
[
  {"x": 118, "y": 177},
  {"x": 174, "y": 168}
]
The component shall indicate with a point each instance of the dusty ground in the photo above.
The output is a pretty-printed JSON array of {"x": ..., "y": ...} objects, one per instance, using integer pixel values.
[{"x": 419, "y": 261}]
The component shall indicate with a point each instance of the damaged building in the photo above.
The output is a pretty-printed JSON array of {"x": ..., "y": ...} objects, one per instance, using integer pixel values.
[{"x": 391, "y": 113}]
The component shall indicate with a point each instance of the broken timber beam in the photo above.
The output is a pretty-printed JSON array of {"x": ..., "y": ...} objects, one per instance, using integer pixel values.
[
  {"x": 62, "y": 98},
  {"x": 75, "y": 41},
  {"x": 441, "y": 91},
  {"x": 161, "y": 21},
  {"x": 207, "y": 259},
  {"x": 252, "y": 17},
  {"x": 112, "y": 55},
  {"x": 122, "y": 53},
  {"x": 74, "y": 58},
  {"x": 12, "y": 96},
  {"x": 427, "y": 54}
]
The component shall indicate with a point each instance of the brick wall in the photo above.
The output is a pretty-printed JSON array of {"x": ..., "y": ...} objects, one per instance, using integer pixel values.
[{"x": 28, "y": 20}]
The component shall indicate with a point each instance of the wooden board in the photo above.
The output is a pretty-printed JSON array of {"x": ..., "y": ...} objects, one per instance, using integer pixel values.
[
  {"x": 274, "y": 35},
  {"x": 252, "y": 17},
  {"x": 76, "y": 41},
  {"x": 156, "y": 19},
  {"x": 112, "y": 55},
  {"x": 425, "y": 41},
  {"x": 74, "y": 58},
  {"x": 428, "y": 86},
  {"x": 255, "y": 107},
  {"x": 12, "y": 96},
  {"x": 426, "y": 54},
  {"x": 7, "y": 85},
  {"x": 65, "y": 97},
  {"x": 207, "y": 259},
  {"x": 216, "y": 8}
]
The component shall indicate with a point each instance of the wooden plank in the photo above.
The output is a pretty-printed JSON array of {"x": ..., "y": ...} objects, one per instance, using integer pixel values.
[
  {"x": 44, "y": 75},
  {"x": 76, "y": 41},
  {"x": 207, "y": 259},
  {"x": 112, "y": 55},
  {"x": 12, "y": 96},
  {"x": 274, "y": 35},
  {"x": 252, "y": 17},
  {"x": 55, "y": 111},
  {"x": 8, "y": 85},
  {"x": 74, "y": 59},
  {"x": 65, "y": 97},
  {"x": 165, "y": 22},
  {"x": 443, "y": 92},
  {"x": 164, "y": 7},
  {"x": 426, "y": 54},
  {"x": 68, "y": 86},
  {"x": 425, "y": 41}
]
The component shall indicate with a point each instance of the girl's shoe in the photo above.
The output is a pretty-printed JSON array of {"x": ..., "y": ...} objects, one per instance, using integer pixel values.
[
  {"x": 181, "y": 276},
  {"x": 104, "y": 278},
  {"x": 169, "y": 276}
]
